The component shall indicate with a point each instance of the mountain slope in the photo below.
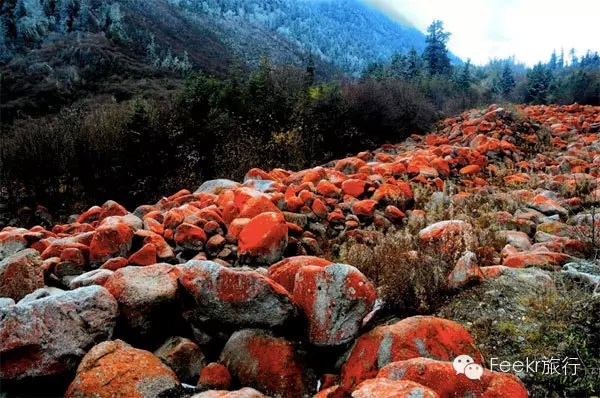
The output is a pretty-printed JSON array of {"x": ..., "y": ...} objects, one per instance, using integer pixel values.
[{"x": 54, "y": 52}]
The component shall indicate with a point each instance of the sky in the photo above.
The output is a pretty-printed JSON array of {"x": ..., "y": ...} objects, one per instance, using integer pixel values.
[{"x": 529, "y": 30}]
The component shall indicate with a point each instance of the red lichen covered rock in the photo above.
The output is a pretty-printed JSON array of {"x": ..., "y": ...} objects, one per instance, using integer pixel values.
[
  {"x": 12, "y": 240},
  {"x": 111, "y": 241},
  {"x": 335, "y": 299},
  {"x": 183, "y": 356},
  {"x": 245, "y": 392},
  {"x": 270, "y": 364},
  {"x": 111, "y": 208},
  {"x": 386, "y": 388},
  {"x": 465, "y": 271},
  {"x": 145, "y": 256},
  {"x": 449, "y": 237},
  {"x": 547, "y": 205},
  {"x": 399, "y": 195},
  {"x": 215, "y": 376},
  {"x": 545, "y": 260},
  {"x": 243, "y": 298},
  {"x": 364, "y": 208},
  {"x": 146, "y": 296},
  {"x": 410, "y": 338},
  {"x": 49, "y": 335},
  {"x": 354, "y": 187},
  {"x": 189, "y": 236},
  {"x": 284, "y": 272},
  {"x": 445, "y": 380},
  {"x": 20, "y": 274},
  {"x": 116, "y": 369},
  {"x": 264, "y": 238}
]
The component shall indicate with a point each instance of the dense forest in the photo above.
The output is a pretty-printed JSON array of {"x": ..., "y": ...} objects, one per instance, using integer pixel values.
[{"x": 100, "y": 102}]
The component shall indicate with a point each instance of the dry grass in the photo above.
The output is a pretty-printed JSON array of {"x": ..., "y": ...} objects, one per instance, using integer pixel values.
[{"x": 408, "y": 280}]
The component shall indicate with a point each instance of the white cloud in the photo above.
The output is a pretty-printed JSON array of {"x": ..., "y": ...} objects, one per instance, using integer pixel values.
[{"x": 528, "y": 29}]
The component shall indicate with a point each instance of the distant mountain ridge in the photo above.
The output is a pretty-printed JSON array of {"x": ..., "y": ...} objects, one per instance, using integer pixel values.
[
  {"x": 53, "y": 52},
  {"x": 349, "y": 34}
]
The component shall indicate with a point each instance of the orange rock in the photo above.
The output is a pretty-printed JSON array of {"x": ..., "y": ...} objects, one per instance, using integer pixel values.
[
  {"x": 399, "y": 195},
  {"x": 349, "y": 165},
  {"x": 516, "y": 179},
  {"x": 470, "y": 170},
  {"x": 215, "y": 376},
  {"x": 114, "y": 264},
  {"x": 493, "y": 271},
  {"x": 441, "y": 377},
  {"x": 74, "y": 256},
  {"x": 116, "y": 369},
  {"x": 550, "y": 261},
  {"x": 110, "y": 241},
  {"x": 394, "y": 214},
  {"x": 272, "y": 364},
  {"x": 335, "y": 300},
  {"x": 386, "y": 388},
  {"x": 364, "y": 208},
  {"x": 354, "y": 187},
  {"x": 410, "y": 338},
  {"x": 236, "y": 297},
  {"x": 255, "y": 206},
  {"x": 450, "y": 236},
  {"x": 547, "y": 206},
  {"x": 284, "y": 272},
  {"x": 145, "y": 256},
  {"x": 264, "y": 238},
  {"x": 235, "y": 229},
  {"x": 465, "y": 271},
  {"x": 336, "y": 217},
  {"x": 189, "y": 236},
  {"x": 327, "y": 189},
  {"x": 293, "y": 204},
  {"x": 163, "y": 250},
  {"x": 56, "y": 248},
  {"x": 91, "y": 215},
  {"x": 485, "y": 126}
]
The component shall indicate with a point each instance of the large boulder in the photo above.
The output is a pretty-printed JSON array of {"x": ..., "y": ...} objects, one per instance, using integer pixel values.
[
  {"x": 264, "y": 238},
  {"x": 20, "y": 274},
  {"x": 386, "y": 388},
  {"x": 270, "y": 364},
  {"x": 418, "y": 336},
  {"x": 50, "y": 335},
  {"x": 116, "y": 369},
  {"x": 236, "y": 297},
  {"x": 147, "y": 298},
  {"x": 335, "y": 299},
  {"x": 447, "y": 379},
  {"x": 183, "y": 356}
]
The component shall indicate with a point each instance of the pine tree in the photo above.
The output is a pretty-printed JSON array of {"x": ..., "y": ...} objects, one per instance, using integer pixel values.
[
  {"x": 465, "y": 78},
  {"x": 414, "y": 65},
  {"x": 507, "y": 81},
  {"x": 538, "y": 85},
  {"x": 435, "y": 53}
]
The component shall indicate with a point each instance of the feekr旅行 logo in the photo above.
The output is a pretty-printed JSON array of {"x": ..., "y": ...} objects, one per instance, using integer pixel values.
[{"x": 466, "y": 365}]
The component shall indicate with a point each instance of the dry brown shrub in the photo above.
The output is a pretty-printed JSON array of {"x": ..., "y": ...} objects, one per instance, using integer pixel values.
[{"x": 408, "y": 280}]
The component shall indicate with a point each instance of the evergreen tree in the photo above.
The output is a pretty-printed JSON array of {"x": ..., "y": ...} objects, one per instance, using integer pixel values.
[
  {"x": 538, "y": 85},
  {"x": 465, "y": 78},
  {"x": 435, "y": 53},
  {"x": 553, "y": 63},
  {"x": 507, "y": 81},
  {"x": 414, "y": 65}
]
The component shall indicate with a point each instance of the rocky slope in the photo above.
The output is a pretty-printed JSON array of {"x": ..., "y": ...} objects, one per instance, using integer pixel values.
[{"x": 242, "y": 289}]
